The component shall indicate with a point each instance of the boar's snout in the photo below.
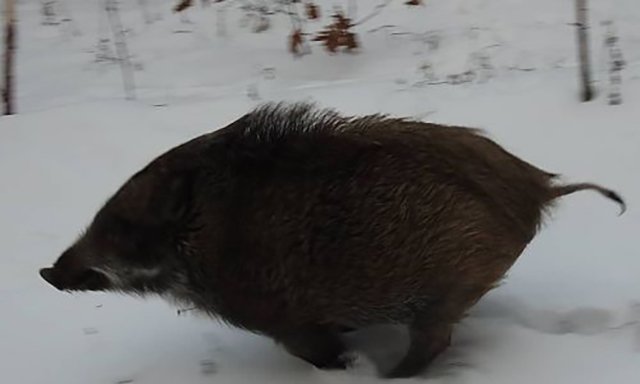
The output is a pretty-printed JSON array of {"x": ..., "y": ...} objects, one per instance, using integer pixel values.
[
  {"x": 48, "y": 274},
  {"x": 75, "y": 280}
]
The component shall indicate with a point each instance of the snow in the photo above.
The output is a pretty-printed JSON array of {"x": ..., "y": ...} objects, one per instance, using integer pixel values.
[{"x": 569, "y": 311}]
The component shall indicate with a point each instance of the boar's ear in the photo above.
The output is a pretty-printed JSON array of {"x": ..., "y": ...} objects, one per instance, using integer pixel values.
[
  {"x": 155, "y": 196},
  {"x": 171, "y": 200}
]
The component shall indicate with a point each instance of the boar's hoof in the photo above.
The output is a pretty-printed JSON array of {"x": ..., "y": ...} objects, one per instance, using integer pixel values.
[
  {"x": 319, "y": 346},
  {"x": 427, "y": 342}
]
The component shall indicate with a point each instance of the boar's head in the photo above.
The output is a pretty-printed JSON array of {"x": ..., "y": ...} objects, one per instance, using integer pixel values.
[{"x": 131, "y": 243}]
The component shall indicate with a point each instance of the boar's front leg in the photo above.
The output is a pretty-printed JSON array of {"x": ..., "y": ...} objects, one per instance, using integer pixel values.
[
  {"x": 428, "y": 340},
  {"x": 318, "y": 345}
]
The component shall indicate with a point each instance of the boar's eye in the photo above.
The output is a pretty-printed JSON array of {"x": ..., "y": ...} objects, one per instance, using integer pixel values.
[
  {"x": 113, "y": 229},
  {"x": 125, "y": 239}
]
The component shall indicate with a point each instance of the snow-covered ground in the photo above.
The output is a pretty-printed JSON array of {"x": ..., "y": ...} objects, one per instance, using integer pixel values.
[{"x": 569, "y": 311}]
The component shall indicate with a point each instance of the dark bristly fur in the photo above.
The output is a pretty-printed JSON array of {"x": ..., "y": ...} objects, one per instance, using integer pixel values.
[{"x": 298, "y": 223}]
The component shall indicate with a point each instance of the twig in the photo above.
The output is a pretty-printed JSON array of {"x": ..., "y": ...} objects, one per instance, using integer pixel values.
[
  {"x": 376, "y": 11},
  {"x": 521, "y": 69},
  {"x": 382, "y": 27},
  {"x": 185, "y": 310}
]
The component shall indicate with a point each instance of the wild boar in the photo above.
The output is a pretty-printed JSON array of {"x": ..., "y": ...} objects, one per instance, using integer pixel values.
[{"x": 298, "y": 223}]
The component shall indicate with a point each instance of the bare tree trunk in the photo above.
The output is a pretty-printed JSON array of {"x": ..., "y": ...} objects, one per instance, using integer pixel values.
[
  {"x": 122, "y": 50},
  {"x": 582, "y": 25},
  {"x": 8, "y": 91}
]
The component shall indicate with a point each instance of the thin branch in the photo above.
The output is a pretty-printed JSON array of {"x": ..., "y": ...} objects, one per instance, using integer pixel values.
[
  {"x": 376, "y": 11},
  {"x": 8, "y": 91}
]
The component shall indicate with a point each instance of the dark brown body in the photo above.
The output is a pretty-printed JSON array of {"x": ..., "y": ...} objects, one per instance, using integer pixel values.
[{"x": 296, "y": 224}]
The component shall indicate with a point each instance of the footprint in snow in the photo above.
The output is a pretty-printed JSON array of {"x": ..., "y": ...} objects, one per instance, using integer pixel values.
[
  {"x": 88, "y": 331},
  {"x": 208, "y": 367},
  {"x": 581, "y": 321}
]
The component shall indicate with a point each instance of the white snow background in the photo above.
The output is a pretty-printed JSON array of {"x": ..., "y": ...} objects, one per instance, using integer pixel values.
[{"x": 569, "y": 311}]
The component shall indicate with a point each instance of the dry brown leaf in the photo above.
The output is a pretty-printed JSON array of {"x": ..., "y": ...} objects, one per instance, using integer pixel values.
[{"x": 312, "y": 11}]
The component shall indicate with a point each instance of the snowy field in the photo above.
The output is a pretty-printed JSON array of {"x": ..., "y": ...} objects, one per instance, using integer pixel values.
[{"x": 569, "y": 311}]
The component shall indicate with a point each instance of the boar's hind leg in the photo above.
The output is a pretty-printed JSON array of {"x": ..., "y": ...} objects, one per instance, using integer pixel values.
[
  {"x": 320, "y": 346},
  {"x": 428, "y": 340}
]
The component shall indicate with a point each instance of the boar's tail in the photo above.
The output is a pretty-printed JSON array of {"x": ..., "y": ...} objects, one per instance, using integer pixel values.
[{"x": 571, "y": 188}]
